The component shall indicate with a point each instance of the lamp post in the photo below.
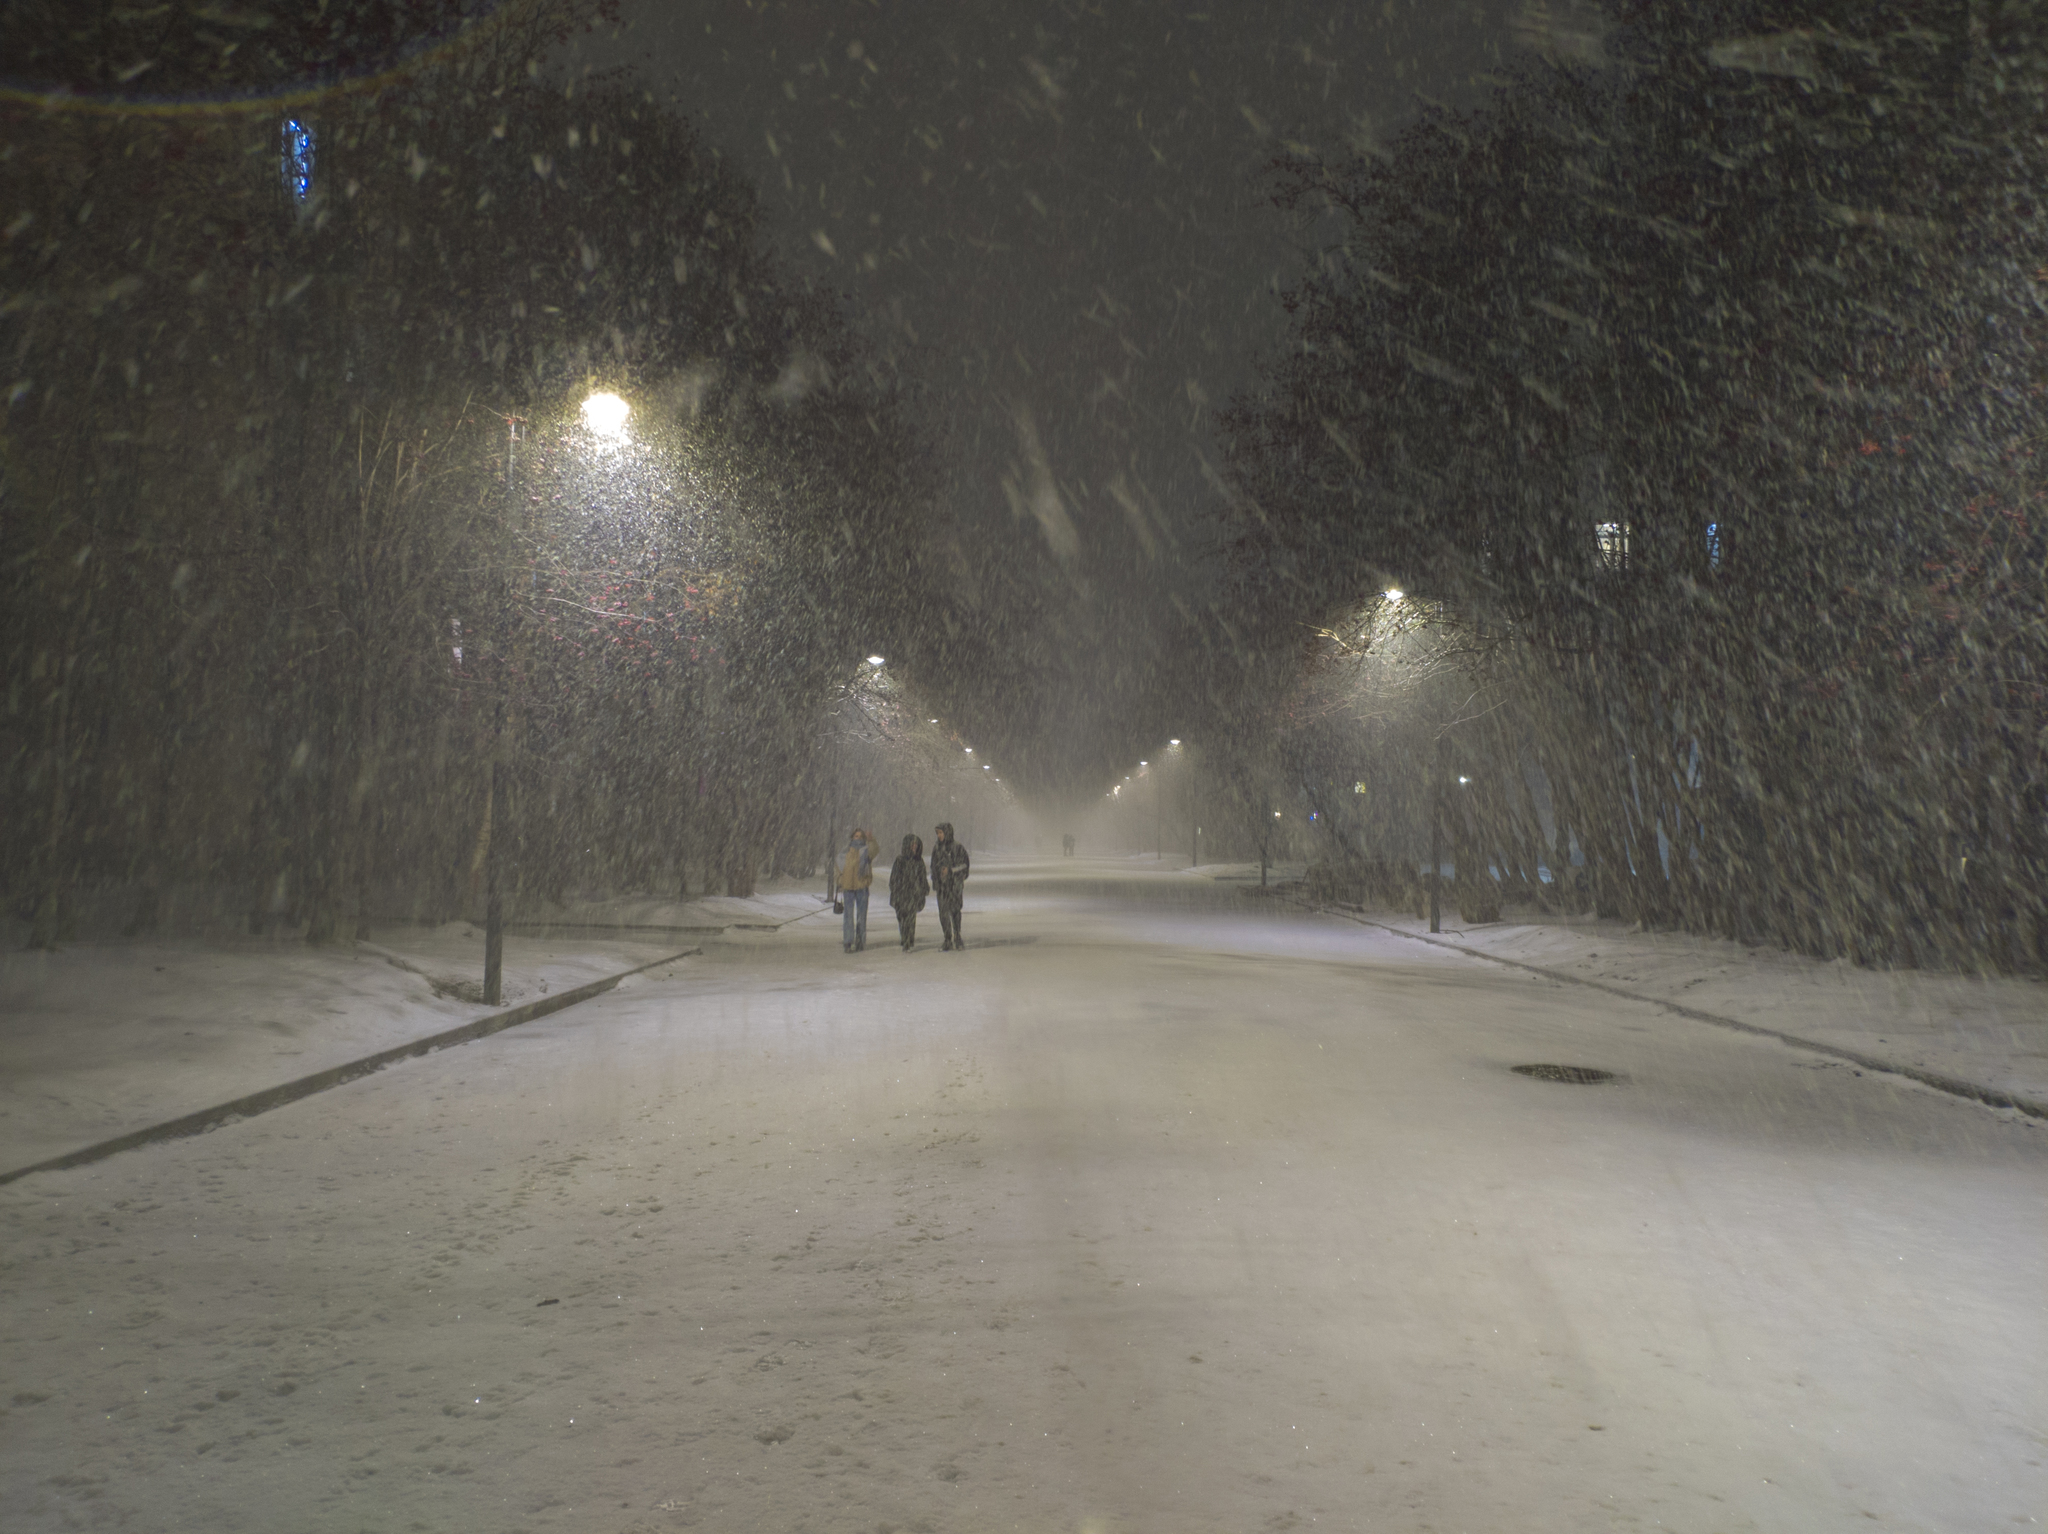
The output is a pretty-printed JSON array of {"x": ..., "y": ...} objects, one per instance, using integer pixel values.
[
  {"x": 605, "y": 414},
  {"x": 1158, "y": 815},
  {"x": 494, "y": 802},
  {"x": 1436, "y": 840},
  {"x": 1195, "y": 838}
]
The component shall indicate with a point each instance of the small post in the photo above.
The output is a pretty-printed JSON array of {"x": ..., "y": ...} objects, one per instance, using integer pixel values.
[
  {"x": 494, "y": 848},
  {"x": 1436, "y": 841},
  {"x": 494, "y": 894}
]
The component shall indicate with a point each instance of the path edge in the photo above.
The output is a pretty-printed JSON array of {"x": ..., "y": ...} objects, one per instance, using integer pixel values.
[
  {"x": 1955, "y": 1086},
  {"x": 205, "y": 1119}
]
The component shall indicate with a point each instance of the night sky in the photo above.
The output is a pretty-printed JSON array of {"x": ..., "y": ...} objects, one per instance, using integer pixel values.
[{"x": 1052, "y": 218}]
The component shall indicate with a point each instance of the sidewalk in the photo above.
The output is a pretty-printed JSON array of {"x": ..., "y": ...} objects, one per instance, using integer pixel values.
[
  {"x": 109, "y": 1036},
  {"x": 1989, "y": 1033}
]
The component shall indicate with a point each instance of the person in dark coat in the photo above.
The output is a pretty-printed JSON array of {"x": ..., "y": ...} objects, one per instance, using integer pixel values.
[
  {"x": 907, "y": 888},
  {"x": 949, "y": 883}
]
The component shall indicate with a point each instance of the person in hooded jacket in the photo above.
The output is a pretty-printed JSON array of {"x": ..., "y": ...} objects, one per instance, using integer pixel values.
[
  {"x": 853, "y": 876},
  {"x": 907, "y": 888},
  {"x": 949, "y": 883}
]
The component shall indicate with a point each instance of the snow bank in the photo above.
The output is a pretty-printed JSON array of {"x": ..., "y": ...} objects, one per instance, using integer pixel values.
[
  {"x": 103, "y": 1038},
  {"x": 1991, "y": 1032}
]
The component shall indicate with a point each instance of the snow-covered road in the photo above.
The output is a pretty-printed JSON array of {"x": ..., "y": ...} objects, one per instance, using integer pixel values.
[{"x": 1159, "y": 1208}]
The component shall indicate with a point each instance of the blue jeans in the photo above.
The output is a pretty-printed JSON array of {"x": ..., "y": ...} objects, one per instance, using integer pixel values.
[{"x": 856, "y": 903}]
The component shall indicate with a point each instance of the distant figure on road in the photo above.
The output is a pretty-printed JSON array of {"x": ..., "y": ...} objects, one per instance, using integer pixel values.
[
  {"x": 949, "y": 883},
  {"x": 1067, "y": 844},
  {"x": 907, "y": 888},
  {"x": 855, "y": 872}
]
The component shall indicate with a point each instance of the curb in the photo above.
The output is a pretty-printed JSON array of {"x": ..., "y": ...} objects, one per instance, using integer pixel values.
[
  {"x": 587, "y": 927},
  {"x": 264, "y": 1101},
  {"x": 1955, "y": 1086}
]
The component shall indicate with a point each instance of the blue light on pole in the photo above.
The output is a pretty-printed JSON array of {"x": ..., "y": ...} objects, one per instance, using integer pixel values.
[{"x": 296, "y": 161}]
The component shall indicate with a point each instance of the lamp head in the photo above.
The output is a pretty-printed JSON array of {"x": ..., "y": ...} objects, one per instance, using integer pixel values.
[{"x": 605, "y": 413}]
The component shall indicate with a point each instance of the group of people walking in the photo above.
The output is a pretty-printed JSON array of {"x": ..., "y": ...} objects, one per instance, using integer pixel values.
[{"x": 909, "y": 884}]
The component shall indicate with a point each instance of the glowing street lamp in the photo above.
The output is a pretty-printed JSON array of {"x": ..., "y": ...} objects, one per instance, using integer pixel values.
[
  {"x": 1394, "y": 593},
  {"x": 876, "y": 660},
  {"x": 605, "y": 413}
]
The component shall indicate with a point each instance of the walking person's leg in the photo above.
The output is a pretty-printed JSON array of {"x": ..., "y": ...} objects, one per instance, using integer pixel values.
[
  {"x": 860, "y": 927},
  {"x": 846, "y": 927},
  {"x": 958, "y": 940}
]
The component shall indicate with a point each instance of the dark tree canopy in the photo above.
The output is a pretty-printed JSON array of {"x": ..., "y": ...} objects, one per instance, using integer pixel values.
[{"x": 1699, "y": 388}]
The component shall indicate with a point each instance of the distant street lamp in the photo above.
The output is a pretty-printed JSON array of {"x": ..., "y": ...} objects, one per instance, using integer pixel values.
[{"x": 876, "y": 660}]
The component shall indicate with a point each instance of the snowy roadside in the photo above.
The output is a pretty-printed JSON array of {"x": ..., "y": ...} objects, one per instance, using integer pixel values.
[
  {"x": 774, "y": 904},
  {"x": 108, "y": 1036},
  {"x": 104, "y": 1038},
  {"x": 1990, "y": 1033}
]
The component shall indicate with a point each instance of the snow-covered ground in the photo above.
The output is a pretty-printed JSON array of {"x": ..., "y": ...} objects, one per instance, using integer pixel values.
[
  {"x": 1161, "y": 1207},
  {"x": 113, "y": 1035},
  {"x": 1990, "y": 1032}
]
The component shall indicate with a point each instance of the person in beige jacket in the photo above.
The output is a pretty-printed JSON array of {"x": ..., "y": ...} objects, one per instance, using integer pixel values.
[{"x": 851, "y": 878}]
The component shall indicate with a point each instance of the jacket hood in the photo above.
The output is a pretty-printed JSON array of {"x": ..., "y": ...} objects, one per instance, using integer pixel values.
[
  {"x": 946, "y": 826},
  {"x": 910, "y": 845}
]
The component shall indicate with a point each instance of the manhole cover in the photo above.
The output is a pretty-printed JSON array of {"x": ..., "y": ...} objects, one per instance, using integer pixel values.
[{"x": 1582, "y": 1075}]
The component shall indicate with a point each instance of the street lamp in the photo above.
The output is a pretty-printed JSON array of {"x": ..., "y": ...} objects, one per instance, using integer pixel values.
[
  {"x": 876, "y": 660},
  {"x": 605, "y": 413}
]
